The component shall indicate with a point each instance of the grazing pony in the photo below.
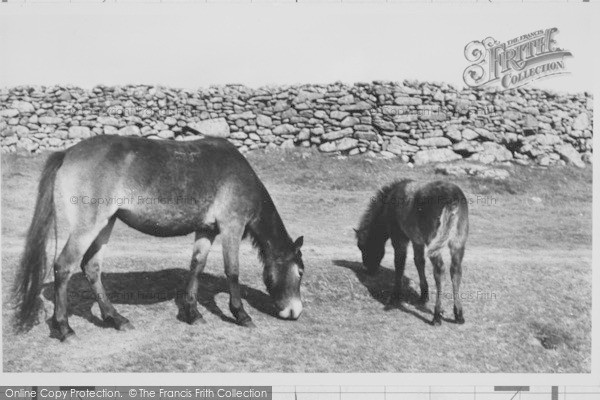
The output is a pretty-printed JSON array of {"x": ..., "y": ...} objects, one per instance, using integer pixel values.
[
  {"x": 432, "y": 215},
  {"x": 161, "y": 188}
]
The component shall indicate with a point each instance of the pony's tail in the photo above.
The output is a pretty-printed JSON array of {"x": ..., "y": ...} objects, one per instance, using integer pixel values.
[
  {"x": 448, "y": 224},
  {"x": 32, "y": 269}
]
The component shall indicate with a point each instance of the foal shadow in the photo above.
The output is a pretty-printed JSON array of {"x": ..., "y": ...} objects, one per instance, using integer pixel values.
[
  {"x": 146, "y": 288},
  {"x": 381, "y": 285}
]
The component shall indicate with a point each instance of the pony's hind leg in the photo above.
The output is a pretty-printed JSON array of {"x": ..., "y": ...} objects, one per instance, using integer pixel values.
[
  {"x": 202, "y": 244},
  {"x": 456, "y": 275},
  {"x": 71, "y": 255},
  {"x": 91, "y": 266},
  {"x": 419, "y": 257},
  {"x": 438, "y": 274}
]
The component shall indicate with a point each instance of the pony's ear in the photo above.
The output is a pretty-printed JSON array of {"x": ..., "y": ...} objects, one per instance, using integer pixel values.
[{"x": 298, "y": 243}]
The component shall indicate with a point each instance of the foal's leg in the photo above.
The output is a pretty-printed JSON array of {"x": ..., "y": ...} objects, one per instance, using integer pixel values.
[
  {"x": 202, "y": 245},
  {"x": 71, "y": 256},
  {"x": 456, "y": 275},
  {"x": 419, "y": 257},
  {"x": 399, "y": 241},
  {"x": 438, "y": 274},
  {"x": 91, "y": 266},
  {"x": 232, "y": 236}
]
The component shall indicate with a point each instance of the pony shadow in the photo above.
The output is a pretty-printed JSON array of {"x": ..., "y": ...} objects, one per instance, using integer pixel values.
[
  {"x": 381, "y": 284},
  {"x": 145, "y": 288}
]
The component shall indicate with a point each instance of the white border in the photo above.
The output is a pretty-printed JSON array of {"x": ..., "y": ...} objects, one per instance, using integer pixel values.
[{"x": 349, "y": 379}]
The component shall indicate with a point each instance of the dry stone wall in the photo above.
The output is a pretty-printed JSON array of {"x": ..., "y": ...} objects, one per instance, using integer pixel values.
[{"x": 419, "y": 122}]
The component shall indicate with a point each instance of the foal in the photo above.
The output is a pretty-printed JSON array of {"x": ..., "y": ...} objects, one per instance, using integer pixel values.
[{"x": 432, "y": 215}]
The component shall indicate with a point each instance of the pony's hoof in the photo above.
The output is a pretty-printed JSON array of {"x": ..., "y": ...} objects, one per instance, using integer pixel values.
[
  {"x": 458, "y": 316},
  {"x": 197, "y": 321},
  {"x": 70, "y": 338},
  {"x": 423, "y": 299},
  {"x": 119, "y": 322},
  {"x": 191, "y": 317},
  {"x": 127, "y": 326},
  {"x": 437, "y": 320},
  {"x": 247, "y": 323}
]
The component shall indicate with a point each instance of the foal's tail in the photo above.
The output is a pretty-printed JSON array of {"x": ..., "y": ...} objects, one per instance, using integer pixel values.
[
  {"x": 448, "y": 225},
  {"x": 32, "y": 269}
]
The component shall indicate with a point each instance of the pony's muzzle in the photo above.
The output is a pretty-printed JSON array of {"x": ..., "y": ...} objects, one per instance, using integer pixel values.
[{"x": 292, "y": 310}]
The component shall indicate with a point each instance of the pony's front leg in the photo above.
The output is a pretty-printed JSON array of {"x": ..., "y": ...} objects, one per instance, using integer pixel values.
[
  {"x": 399, "y": 242},
  {"x": 438, "y": 274},
  {"x": 231, "y": 238}
]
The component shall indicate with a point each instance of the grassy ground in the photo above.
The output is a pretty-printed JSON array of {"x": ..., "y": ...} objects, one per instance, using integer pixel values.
[{"x": 527, "y": 283}]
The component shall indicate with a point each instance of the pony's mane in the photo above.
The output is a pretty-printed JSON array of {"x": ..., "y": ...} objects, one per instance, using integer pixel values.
[
  {"x": 377, "y": 204},
  {"x": 256, "y": 243},
  {"x": 268, "y": 234}
]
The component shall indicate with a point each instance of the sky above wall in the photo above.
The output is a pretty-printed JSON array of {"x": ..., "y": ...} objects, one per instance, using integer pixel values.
[{"x": 197, "y": 45}]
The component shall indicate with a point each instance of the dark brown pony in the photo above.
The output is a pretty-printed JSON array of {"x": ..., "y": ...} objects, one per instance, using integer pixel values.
[
  {"x": 432, "y": 215},
  {"x": 162, "y": 188}
]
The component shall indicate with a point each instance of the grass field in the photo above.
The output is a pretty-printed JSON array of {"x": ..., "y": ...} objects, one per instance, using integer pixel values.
[{"x": 526, "y": 283}]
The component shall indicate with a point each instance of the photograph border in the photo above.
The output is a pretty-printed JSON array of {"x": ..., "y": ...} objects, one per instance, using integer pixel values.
[{"x": 352, "y": 379}]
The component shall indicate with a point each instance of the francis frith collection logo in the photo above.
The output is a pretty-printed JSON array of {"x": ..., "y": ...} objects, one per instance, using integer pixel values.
[{"x": 516, "y": 62}]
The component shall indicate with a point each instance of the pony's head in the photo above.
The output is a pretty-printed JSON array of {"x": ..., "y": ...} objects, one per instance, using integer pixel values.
[
  {"x": 282, "y": 276},
  {"x": 371, "y": 248},
  {"x": 371, "y": 234}
]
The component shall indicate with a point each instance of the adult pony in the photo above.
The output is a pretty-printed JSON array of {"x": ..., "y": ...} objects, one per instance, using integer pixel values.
[
  {"x": 433, "y": 214},
  {"x": 162, "y": 188}
]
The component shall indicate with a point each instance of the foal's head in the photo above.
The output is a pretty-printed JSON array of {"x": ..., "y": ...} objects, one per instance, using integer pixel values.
[
  {"x": 282, "y": 277},
  {"x": 372, "y": 249},
  {"x": 371, "y": 234}
]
